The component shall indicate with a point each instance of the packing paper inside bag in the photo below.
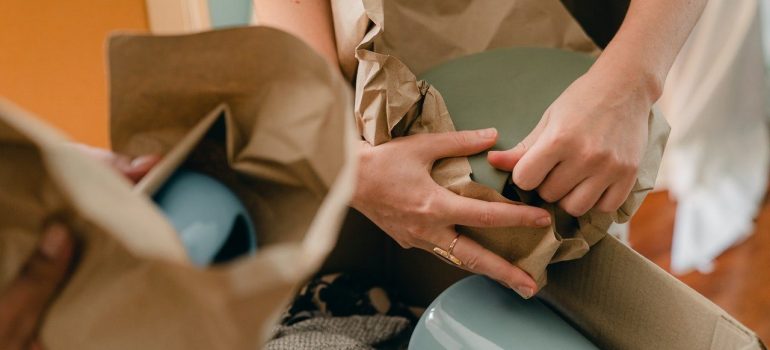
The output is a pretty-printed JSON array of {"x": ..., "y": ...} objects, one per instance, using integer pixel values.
[
  {"x": 406, "y": 38},
  {"x": 282, "y": 141}
]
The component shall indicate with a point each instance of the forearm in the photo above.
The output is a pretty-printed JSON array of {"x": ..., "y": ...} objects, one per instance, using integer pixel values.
[
  {"x": 647, "y": 43},
  {"x": 310, "y": 21}
]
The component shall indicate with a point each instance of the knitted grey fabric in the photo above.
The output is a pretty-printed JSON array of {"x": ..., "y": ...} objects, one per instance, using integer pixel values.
[{"x": 349, "y": 333}]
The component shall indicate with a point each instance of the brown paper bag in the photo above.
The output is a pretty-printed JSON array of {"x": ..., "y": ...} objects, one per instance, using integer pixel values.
[
  {"x": 255, "y": 108},
  {"x": 406, "y": 38}
]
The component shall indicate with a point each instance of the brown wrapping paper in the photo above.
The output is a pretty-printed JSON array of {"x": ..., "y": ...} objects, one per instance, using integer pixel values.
[
  {"x": 406, "y": 38},
  {"x": 253, "y": 107}
]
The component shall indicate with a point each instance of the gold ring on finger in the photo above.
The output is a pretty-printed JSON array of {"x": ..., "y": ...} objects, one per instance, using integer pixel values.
[{"x": 447, "y": 255}]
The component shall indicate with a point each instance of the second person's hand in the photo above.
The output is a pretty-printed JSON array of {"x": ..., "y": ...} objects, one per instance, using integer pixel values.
[
  {"x": 132, "y": 168},
  {"x": 395, "y": 190},
  {"x": 25, "y": 300}
]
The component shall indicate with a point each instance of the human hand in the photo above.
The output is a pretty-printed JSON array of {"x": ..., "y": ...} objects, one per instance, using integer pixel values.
[
  {"x": 24, "y": 301},
  {"x": 395, "y": 190},
  {"x": 586, "y": 149},
  {"x": 133, "y": 169}
]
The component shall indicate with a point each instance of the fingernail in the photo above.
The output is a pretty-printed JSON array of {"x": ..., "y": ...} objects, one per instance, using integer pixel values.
[
  {"x": 141, "y": 161},
  {"x": 544, "y": 221},
  {"x": 53, "y": 240},
  {"x": 525, "y": 292},
  {"x": 488, "y": 133}
]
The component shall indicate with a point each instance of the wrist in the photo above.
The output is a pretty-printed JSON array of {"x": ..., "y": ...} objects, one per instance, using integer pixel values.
[
  {"x": 363, "y": 158},
  {"x": 650, "y": 85},
  {"x": 629, "y": 77}
]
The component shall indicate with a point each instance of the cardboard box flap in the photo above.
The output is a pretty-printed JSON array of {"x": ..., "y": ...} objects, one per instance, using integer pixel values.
[
  {"x": 731, "y": 335},
  {"x": 624, "y": 301}
]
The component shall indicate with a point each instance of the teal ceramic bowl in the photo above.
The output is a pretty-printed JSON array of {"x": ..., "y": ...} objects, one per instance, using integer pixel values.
[
  {"x": 478, "y": 313},
  {"x": 212, "y": 223},
  {"x": 508, "y": 89}
]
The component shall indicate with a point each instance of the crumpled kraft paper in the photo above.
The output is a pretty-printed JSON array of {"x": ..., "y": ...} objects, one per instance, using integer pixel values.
[
  {"x": 253, "y": 107},
  {"x": 406, "y": 38}
]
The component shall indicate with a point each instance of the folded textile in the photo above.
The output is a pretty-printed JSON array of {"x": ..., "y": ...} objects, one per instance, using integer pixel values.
[
  {"x": 353, "y": 332},
  {"x": 345, "y": 311}
]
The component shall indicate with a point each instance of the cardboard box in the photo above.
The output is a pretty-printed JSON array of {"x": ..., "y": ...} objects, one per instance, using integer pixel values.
[{"x": 616, "y": 297}]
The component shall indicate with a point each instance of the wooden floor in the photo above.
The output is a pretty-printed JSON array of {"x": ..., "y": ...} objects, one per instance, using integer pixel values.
[{"x": 740, "y": 282}]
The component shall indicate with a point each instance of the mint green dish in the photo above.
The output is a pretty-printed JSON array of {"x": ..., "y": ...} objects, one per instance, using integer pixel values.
[
  {"x": 478, "y": 313},
  {"x": 508, "y": 89}
]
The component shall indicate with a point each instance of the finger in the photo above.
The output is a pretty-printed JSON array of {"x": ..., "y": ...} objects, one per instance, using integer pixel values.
[
  {"x": 456, "y": 143},
  {"x": 535, "y": 165},
  {"x": 615, "y": 195},
  {"x": 139, "y": 167},
  {"x": 97, "y": 153},
  {"x": 560, "y": 181},
  {"x": 466, "y": 211},
  {"x": 506, "y": 160},
  {"x": 133, "y": 169},
  {"x": 478, "y": 259},
  {"x": 23, "y": 302},
  {"x": 584, "y": 196}
]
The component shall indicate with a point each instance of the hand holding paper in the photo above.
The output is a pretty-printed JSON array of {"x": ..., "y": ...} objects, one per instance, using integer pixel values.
[
  {"x": 586, "y": 149},
  {"x": 423, "y": 214},
  {"x": 24, "y": 301}
]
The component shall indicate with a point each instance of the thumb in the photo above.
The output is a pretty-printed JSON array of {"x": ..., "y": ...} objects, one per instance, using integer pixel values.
[{"x": 506, "y": 160}]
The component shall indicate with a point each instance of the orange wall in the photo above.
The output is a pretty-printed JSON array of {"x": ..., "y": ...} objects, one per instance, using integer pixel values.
[{"x": 52, "y": 59}]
